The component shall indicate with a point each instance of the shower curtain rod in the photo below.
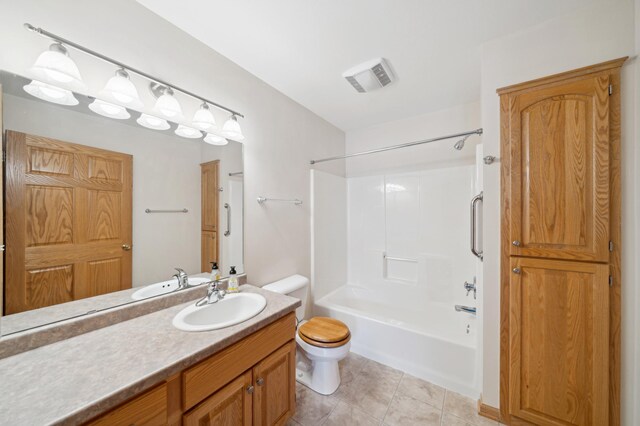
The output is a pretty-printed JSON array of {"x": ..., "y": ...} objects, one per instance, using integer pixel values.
[{"x": 404, "y": 145}]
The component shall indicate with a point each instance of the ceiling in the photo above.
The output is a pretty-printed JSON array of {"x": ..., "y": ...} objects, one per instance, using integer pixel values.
[{"x": 301, "y": 47}]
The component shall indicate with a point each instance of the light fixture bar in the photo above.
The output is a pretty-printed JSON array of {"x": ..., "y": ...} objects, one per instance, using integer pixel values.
[{"x": 119, "y": 64}]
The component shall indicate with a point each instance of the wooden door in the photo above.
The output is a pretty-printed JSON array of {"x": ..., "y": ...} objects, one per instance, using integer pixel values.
[
  {"x": 560, "y": 179},
  {"x": 68, "y": 222},
  {"x": 275, "y": 387},
  {"x": 559, "y": 340},
  {"x": 209, "y": 201},
  {"x": 230, "y": 406},
  {"x": 148, "y": 409}
]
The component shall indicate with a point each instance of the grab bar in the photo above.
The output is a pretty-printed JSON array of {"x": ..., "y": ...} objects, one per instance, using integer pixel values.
[
  {"x": 228, "y": 231},
  {"x": 474, "y": 203},
  {"x": 166, "y": 211}
]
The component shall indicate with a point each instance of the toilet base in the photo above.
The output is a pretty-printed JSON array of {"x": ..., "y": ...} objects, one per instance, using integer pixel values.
[{"x": 322, "y": 377}]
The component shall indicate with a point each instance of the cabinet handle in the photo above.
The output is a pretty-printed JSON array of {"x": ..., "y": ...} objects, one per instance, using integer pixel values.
[
  {"x": 260, "y": 381},
  {"x": 516, "y": 270},
  {"x": 516, "y": 243},
  {"x": 250, "y": 389}
]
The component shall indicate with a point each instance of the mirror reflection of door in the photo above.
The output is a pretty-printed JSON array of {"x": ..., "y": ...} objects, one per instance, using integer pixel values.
[
  {"x": 209, "y": 202},
  {"x": 68, "y": 222}
]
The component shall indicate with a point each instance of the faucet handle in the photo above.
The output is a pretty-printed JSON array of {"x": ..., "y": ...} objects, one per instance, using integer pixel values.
[{"x": 180, "y": 271}]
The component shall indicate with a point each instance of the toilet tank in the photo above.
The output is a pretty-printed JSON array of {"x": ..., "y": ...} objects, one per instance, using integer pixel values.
[{"x": 294, "y": 286}]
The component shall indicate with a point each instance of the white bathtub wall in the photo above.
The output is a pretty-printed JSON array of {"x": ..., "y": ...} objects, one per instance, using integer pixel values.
[
  {"x": 328, "y": 233},
  {"x": 420, "y": 216}
]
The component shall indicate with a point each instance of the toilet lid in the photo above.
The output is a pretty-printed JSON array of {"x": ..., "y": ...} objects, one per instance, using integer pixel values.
[{"x": 323, "y": 330}]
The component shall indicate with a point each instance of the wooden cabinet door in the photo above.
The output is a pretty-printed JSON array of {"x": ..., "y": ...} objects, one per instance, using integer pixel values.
[
  {"x": 209, "y": 186},
  {"x": 559, "y": 342},
  {"x": 149, "y": 409},
  {"x": 68, "y": 222},
  {"x": 209, "y": 248},
  {"x": 559, "y": 176},
  {"x": 230, "y": 406},
  {"x": 275, "y": 387}
]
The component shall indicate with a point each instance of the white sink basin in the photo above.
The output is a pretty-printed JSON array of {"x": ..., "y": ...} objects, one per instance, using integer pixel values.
[
  {"x": 233, "y": 309},
  {"x": 164, "y": 287}
]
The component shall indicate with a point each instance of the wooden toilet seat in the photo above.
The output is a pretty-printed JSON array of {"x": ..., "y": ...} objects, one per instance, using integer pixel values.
[{"x": 324, "y": 332}]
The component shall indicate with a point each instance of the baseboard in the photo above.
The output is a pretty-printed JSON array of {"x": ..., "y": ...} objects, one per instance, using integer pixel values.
[{"x": 488, "y": 411}]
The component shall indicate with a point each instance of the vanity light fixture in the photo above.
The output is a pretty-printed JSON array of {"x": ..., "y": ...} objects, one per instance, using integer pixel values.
[
  {"x": 55, "y": 66},
  {"x": 120, "y": 90},
  {"x": 215, "y": 140},
  {"x": 203, "y": 118},
  {"x": 107, "y": 109},
  {"x": 188, "y": 132},
  {"x": 50, "y": 93},
  {"x": 232, "y": 130},
  {"x": 168, "y": 106},
  {"x": 152, "y": 122}
]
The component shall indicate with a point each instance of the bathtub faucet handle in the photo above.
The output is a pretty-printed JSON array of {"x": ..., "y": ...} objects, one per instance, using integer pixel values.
[{"x": 471, "y": 286}]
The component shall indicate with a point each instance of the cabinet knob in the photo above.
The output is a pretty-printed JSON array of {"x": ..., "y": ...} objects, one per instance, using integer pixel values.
[
  {"x": 516, "y": 270},
  {"x": 250, "y": 389},
  {"x": 260, "y": 381},
  {"x": 516, "y": 243},
  {"x": 126, "y": 247}
]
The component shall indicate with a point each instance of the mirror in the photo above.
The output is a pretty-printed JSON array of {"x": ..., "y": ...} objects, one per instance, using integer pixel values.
[{"x": 99, "y": 211}]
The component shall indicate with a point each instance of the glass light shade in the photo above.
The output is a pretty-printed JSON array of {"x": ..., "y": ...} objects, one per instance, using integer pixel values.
[
  {"x": 168, "y": 106},
  {"x": 215, "y": 140},
  {"x": 151, "y": 122},
  {"x": 120, "y": 90},
  {"x": 203, "y": 119},
  {"x": 108, "y": 109},
  {"x": 231, "y": 129},
  {"x": 50, "y": 93},
  {"x": 188, "y": 132},
  {"x": 54, "y": 66}
]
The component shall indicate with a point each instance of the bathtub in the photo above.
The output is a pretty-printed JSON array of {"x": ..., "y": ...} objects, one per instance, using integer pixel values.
[{"x": 427, "y": 340}]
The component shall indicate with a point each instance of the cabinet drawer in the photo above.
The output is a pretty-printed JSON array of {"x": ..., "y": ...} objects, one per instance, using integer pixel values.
[
  {"x": 207, "y": 377},
  {"x": 147, "y": 409}
]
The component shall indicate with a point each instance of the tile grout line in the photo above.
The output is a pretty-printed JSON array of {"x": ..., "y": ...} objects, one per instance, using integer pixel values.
[{"x": 392, "y": 397}]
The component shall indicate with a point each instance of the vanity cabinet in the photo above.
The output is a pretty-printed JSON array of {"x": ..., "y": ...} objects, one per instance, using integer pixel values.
[{"x": 252, "y": 382}]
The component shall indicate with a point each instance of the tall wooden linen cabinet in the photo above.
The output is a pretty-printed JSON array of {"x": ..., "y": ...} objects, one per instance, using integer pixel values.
[{"x": 560, "y": 260}]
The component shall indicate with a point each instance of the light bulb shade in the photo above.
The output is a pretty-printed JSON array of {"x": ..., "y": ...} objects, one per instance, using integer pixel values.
[
  {"x": 120, "y": 90},
  {"x": 110, "y": 110},
  {"x": 215, "y": 140},
  {"x": 50, "y": 93},
  {"x": 168, "y": 107},
  {"x": 203, "y": 119},
  {"x": 54, "y": 66},
  {"x": 188, "y": 132},
  {"x": 231, "y": 129},
  {"x": 152, "y": 122}
]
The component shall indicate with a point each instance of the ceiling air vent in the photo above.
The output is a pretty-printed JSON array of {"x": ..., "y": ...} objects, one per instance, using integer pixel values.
[{"x": 370, "y": 75}]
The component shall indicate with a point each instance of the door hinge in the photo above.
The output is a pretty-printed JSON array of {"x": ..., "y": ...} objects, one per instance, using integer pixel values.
[
  {"x": 610, "y": 245},
  {"x": 610, "y": 281},
  {"x": 610, "y": 89}
]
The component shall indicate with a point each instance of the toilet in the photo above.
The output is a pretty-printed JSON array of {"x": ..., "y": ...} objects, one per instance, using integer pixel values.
[{"x": 321, "y": 342}]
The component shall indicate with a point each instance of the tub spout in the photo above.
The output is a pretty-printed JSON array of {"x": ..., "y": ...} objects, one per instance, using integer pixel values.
[{"x": 467, "y": 309}]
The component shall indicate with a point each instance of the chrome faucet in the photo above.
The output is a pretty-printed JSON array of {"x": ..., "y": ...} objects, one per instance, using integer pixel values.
[
  {"x": 214, "y": 293},
  {"x": 471, "y": 286},
  {"x": 182, "y": 277},
  {"x": 467, "y": 309}
]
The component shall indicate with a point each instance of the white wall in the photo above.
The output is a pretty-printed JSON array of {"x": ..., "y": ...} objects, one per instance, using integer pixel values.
[
  {"x": 281, "y": 135},
  {"x": 166, "y": 175},
  {"x": 585, "y": 37},
  {"x": 433, "y": 155}
]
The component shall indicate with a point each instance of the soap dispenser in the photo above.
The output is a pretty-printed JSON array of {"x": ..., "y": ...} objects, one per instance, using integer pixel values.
[
  {"x": 233, "y": 281},
  {"x": 215, "y": 272}
]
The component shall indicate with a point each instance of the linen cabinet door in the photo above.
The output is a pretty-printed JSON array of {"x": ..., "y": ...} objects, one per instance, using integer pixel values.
[
  {"x": 230, "y": 406},
  {"x": 559, "y": 177},
  {"x": 275, "y": 387},
  {"x": 559, "y": 342}
]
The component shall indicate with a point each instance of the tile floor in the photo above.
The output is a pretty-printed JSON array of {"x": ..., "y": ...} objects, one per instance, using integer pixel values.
[{"x": 374, "y": 394}]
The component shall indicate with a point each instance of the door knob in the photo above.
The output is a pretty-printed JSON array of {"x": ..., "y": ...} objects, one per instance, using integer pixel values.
[
  {"x": 250, "y": 389},
  {"x": 516, "y": 270},
  {"x": 516, "y": 243},
  {"x": 126, "y": 247},
  {"x": 260, "y": 381}
]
